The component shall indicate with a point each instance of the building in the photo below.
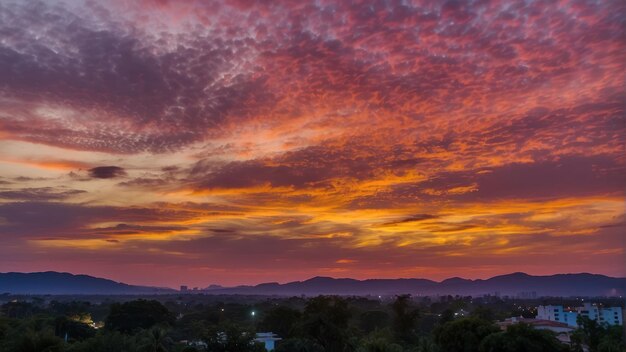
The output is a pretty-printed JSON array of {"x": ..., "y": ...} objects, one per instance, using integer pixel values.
[
  {"x": 539, "y": 324},
  {"x": 527, "y": 295},
  {"x": 268, "y": 339},
  {"x": 561, "y": 330},
  {"x": 195, "y": 343},
  {"x": 553, "y": 313},
  {"x": 612, "y": 314},
  {"x": 557, "y": 314},
  {"x": 602, "y": 315},
  {"x": 184, "y": 288},
  {"x": 609, "y": 315}
]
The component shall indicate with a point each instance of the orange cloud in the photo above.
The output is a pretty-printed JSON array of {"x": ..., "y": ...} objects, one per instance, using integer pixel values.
[{"x": 333, "y": 138}]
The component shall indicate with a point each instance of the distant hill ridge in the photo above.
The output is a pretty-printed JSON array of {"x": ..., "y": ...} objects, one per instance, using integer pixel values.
[
  {"x": 582, "y": 284},
  {"x": 52, "y": 282}
]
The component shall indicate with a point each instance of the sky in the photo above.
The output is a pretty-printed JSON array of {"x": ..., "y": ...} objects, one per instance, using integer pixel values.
[{"x": 238, "y": 142}]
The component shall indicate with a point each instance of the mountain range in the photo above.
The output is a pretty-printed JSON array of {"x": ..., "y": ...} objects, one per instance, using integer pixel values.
[
  {"x": 511, "y": 284},
  {"x": 51, "y": 282}
]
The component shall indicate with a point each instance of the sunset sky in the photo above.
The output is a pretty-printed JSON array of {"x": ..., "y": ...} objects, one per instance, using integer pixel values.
[{"x": 238, "y": 142}]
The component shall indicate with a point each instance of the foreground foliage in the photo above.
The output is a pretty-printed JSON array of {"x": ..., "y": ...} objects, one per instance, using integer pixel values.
[{"x": 320, "y": 324}]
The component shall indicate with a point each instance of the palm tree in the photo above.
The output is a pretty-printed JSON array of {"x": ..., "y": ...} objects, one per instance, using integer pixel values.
[
  {"x": 42, "y": 341},
  {"x": 155, "y": 340}
]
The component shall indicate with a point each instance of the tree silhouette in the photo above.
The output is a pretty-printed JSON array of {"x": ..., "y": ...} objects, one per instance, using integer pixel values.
[
  {"x": 405, "y": 319},
  {"x": 326, "y": 321},
  {"x": 40, "y": 341},
  {"x": 155, "y": 340},
  {"x": 522, "y": 337},
  {"x": 280, "y": 320},
  {"x": 463, "y": 335},
  {"x": 131, "y": 316}
]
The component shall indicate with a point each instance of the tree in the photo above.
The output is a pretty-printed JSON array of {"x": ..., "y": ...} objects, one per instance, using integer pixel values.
[
  {"x": 597, "y": 337},
  {"x": 194, "y": 325},
  {"x": 231, "y": 338},
  {"x": 426, "y": 344},
  {"x": 483, "y": 313},
  {"x": 611, "y": 346},
  {"x": 131, "y": 316},
  {"x": 155, "y": 340},
  {"x": 18, "y": 309},
  {"x": 446, "y": 316},
  {"x": 588, "y": 333},
  {"x": 612, "y": 339},
  {"x": 379, "y": 344},
  {"x": 5, "y": 327},
  {"x": 463, "y": 335},
  {"x": 280, "y": 320},
  {"x": 40, "y": 341},
  {"x": 106, "y": 341},
  {"x": 74, "y": 330},
  {"x": 189, "y": 349},
  {"x": 326, "y": 321},
  {"x": 373, "y": 320},
  {"x": 298, "y": 345},
  {"x": 405, "y": 319},
  {"x": 520, "y": 338}
]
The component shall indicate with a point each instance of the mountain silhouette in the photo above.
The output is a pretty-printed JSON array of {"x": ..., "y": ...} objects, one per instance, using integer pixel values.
[
  {"x": 51, "y": 282},
  {"x": 584, "y": 284}
]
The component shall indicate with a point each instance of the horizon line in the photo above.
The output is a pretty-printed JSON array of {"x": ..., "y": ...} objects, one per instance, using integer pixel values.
[{"x": 311, "y": 278}]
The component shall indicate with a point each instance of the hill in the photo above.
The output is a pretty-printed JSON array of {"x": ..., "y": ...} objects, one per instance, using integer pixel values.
[
  {"x": 51, "y": 282},
  {"x": 511, "y": 284},
  {"x": 588, "y": 285}
]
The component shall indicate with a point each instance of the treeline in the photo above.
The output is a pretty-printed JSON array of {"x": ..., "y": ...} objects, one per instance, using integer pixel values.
[{"x": 321, "y": 324}]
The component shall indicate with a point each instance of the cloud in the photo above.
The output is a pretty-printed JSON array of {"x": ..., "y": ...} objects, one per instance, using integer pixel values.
[
  {"x": 107, "y": 172},
  {"x": 412, "y": 218},
  {"x": 141, "y": 90},
  {"x": 107, "y": 74},
  {"x": 567, "y": 176},
  {"x": 41, "y": 219},
  {"x": 409, "y": 138},
  {"x": 39, "y": 194}
]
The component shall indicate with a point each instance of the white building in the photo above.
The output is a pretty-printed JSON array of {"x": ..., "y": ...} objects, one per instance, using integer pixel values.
[
  {"x": 561, "y": 330},
  {"x": 608, "y": 316},
  {"x": 570, "y": 318},
  {"x": 553, "y": 313},
  {"x": 268, "y": 339},
  {"x": 539, "y": 324}
]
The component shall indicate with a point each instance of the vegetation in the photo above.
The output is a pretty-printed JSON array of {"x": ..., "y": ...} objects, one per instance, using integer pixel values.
[
  {"x": 521, "y": 337},
  {"x": 195, "y": 323}
]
